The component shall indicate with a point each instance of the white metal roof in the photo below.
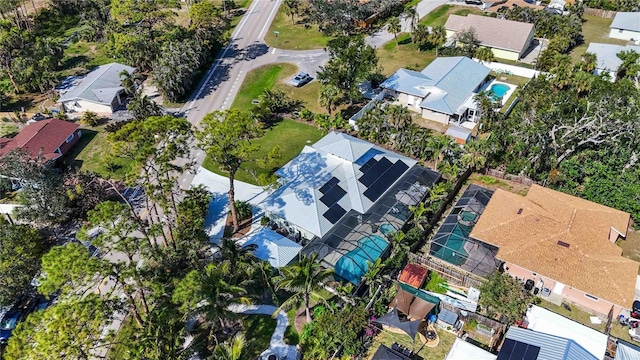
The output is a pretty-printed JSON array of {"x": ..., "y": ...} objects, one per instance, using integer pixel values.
[
  {"x": 547, "y": 322},
  {"x": 462, "y": 350},
  {"x": 273, "y": 247}
]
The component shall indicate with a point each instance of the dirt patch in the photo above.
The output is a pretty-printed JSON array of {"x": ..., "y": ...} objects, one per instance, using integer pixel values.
[
  {"x": 245, "y": 227},
  {"x": 300, "y": 320},
  {"x": 493, "y": 183},
  {"x": 631, "y": 245}
]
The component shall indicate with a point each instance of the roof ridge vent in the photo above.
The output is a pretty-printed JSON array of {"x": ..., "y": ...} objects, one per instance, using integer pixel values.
[
  {"x": 564, "y": 244},
  {"x": 520, "y": 211}
]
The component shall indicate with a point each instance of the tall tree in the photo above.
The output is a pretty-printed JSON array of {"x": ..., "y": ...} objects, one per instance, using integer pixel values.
[
  {"x": 630, "y": 66},
  {"x": 142, "y": 107},
  {"x": 176, "y": 67},
  {"x": 503, "y": 295},
  {"x": 394, "y": 27},
  {"x": 291, "y": 8},
  {"x": 484, "y": 54},
  {"x": 438, "y": 37},
  {"x": 412, "y": 15},
  {"x": 303, "y": 279},
  {"x": 232, "y": 349},
  {"x": 351, "y": 62},
  {"x": 227, "y": 139},
  {"x": 329, "y": 97},
  {"x": 421, "y": 36},
  {"x": 467, "y": 42}
]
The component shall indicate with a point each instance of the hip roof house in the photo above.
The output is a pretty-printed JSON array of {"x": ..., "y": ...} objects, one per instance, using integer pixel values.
[
  {"x": 565, "y": 244},
  {"x": 626, "y": 26},
  {"x": 507, "y": 39},
  {"x": 99, "y": 91},
  {"x": 443, "y": 91}
]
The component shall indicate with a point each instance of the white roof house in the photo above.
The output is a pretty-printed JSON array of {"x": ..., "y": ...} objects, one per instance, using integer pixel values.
[
  {"x": 607, "y": 60},
  {"x": 547, "y": 322},
  {"x": 273, "y": 247},
  {"x": 337, "y": 174},
  {"x": 626, "y": 26},
  {"x": 99, "y": 91},
  {"x": 462, "y": 350}
]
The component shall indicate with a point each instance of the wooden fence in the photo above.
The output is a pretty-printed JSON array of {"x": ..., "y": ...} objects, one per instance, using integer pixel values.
[
  {"x": 497, "y": 327},
  {"x": 515, "y": 178},
  {"x": 452, "y": 274},
  {"x": 609, "y": 14}
]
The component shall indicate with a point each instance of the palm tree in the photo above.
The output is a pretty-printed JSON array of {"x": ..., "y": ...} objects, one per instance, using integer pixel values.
[
  {"x": 398, "y": 116},
  {"x": 438, "y": 37},
  {"x": 142, "y": 107},
  {"x": 487, "y": 107},
  {"x": 484, "y": 54},
  {"x": 438, "y": 144},
  {"x": 291, "y": 7},
  {"x": 561, "y": 71},
  {"x": 394, "y": 28},
  {"x": 582, "y": 81},
  {"x": 475, "y": 154},
  {"x": 303, "y": 279},
  {"x": 412, "y": 14},
  {"x": 589, "y": 62},
  {"x": 373, "y": 277},
  {"x": 233, "y": 349},
  {"x": 329, "y": 97},
  {"x": 128, "y": 82},
  {"x": 419, "y": 215},
  {"x": 238, "y": 256},
  {"x": 630, "y": 66},
  {"x": 421, "y": 36}
]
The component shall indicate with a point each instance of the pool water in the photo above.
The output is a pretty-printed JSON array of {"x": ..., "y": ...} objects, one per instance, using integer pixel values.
[
  {"x": 498, "y": 91},
  {"x": 387, "y": 229},
  {"x": 353, "y": 265}
]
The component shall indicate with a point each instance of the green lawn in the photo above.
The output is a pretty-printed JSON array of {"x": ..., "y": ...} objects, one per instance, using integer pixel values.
[
  {"x": 594, "y": 29},
  {"x": 294, "y": 36},
  {"x": 290, "y": 135},
  {"x": 405, "y": 55},
  {"x": 258, "y": 330},
  {"x": 259, "y": 80},
  {"x": 92, "y": 154},
  {"x": 438, "y": 353},
  {"x": 440, "y": 14}
]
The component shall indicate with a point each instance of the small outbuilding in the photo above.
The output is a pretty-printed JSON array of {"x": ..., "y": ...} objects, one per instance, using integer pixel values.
[
  {"x": 625, "y": 26},
  {"x": 273, "y": 247}
]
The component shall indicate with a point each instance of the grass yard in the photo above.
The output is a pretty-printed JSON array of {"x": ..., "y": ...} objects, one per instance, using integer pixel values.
[
  {"x": 631, "y": 245},
  {"x": 594, "y": 29},
  {"x": 85, "y": 55},
  {"x": 290, "y": 135},
  {"x": 258, "y": 330},
  {"x": 259, "y": 80},
  {"x": 406, "y": 54},
  {"x": 294, "y": 36},
  {"x": 92, "y": 154},
  {"x": 440, "y": 15},
  {"x": 582, "y": 317},
  {"x": 438, "y": 353}
]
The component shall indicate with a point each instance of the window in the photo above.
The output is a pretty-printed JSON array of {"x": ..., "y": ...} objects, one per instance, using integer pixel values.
[
  {"x": 591, "y": 297},
  {"x": 69, "y": 138}
]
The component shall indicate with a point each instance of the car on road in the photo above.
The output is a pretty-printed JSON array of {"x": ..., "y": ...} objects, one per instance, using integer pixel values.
[
  {"x": 473, "y": 2},
  {"x": 300, "y": 79}
]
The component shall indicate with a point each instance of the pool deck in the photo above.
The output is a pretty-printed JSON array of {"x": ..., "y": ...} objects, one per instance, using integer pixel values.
[{"x": 507, "y": 95}]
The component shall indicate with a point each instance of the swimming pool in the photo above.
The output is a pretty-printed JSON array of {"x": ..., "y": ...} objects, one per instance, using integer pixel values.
[
  {"x": 387, "y": 229},
  {"x": 353, "y": 265},
  {"x": 497, "y": 91}
]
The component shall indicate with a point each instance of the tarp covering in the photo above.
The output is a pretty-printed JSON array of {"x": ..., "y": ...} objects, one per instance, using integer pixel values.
[
  {"x": 402, "y": 301},
  {"x": 420, "y": 308},
  {"x": 391, "y": 319},
  {"x": 421, "y": 294}
]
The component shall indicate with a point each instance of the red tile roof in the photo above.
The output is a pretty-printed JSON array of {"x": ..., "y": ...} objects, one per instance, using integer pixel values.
[
  {"x": 43, "y": 136},
  {"x": 413, "y": 275}
]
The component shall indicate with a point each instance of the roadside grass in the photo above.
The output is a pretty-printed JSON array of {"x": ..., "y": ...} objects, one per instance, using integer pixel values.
[
  {"x": 259, "y": 80},
  {"x": 289, "y": 135},
  {"x": 440, "y": 14},
  {"x": 437, "y": 353},
  {"x": 406, "y": 54},
  {"x": 294, "y": 36},
  {"x": 92, "y": 154},
  {"x": 594, "y": 29}
]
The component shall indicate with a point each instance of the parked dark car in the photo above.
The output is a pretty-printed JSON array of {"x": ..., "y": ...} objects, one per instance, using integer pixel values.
[
  {"x": 300, "y": 79},
  {"x": 16, "y": 315},
  {"x": 473, "y": 2},
  {"x": 635, "y": 310}
]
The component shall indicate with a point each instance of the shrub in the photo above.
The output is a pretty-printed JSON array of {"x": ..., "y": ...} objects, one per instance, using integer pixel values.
[
  {"x": 90, "y": 118},
  {"x": 264, "y": 221},
  {"x": 436, "y": 283},
  {"x": 244, "y": 209}
]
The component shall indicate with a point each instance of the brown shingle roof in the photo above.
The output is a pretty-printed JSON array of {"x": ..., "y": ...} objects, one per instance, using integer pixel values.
[
  {"x": 529, "y": 239},
  {"x": 493, "y": 32},
  {"x": 413, "y": 275},
  {"x": 45, "y": 136}
]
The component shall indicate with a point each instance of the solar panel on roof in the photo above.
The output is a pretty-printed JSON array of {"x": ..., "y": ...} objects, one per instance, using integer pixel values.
[
  {"x": 334, "y": 213},
  {"x": 364, "y": 168},
  {"x": 516, "y": 350},
  {"x": 385, "y": 181},
  {"x": 532, "y": 353},
  {"x": 333, "y": 196},
  {"x": 329, "y": 184},
  {"x": 375, "y": 172}
]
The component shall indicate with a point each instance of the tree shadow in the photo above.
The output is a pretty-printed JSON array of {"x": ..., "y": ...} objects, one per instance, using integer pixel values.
[
  {"x": 254, "y": 51},
  {"x": 74, "y": 61},
  {"x": 69, "y": 160}
]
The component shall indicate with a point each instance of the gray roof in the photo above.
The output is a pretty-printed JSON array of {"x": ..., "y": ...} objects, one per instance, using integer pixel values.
[
  {"x": 551, "y": 347},
  {"x": 100, "y": 86},
  {"x": 627, "y": 21},
  {"x": 606, "y": 54},
  {"x": 493, "y": 32},
  {"x": 448, "y": 317},
  {"x": 458, "y": 133},
  {"x": 444, "y": 85}
]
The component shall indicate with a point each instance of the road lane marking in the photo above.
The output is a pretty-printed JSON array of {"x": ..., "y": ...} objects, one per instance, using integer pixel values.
[
  {"x": 268, "y": 22},
  {"x": 273, "y": 51}
]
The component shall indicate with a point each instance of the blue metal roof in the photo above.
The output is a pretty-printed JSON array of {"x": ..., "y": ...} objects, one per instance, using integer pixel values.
[
  {"x": 445, "y": 84},
  {"x": 551, "y": 347}
]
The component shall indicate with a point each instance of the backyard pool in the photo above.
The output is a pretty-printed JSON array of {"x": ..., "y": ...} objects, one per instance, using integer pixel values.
[
  {"x": 353, "y": 265},
  {"x": 387, "y": 229},
  {"x": 498, "y": 91}
]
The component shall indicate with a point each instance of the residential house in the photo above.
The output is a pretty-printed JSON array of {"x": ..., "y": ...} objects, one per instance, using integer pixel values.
[
  {"x": 99, "y": 91},
  {"x": 522, "y": 344},
  {"x": 343, "y": 197},
  {"x": 564, "y": 244},
  {"x": 463, "y": 350},
  {"x": 607, "y": 60},
  {"x": 547, "y": 322},
  {"x": 626, "y": 26},
  {"x": 444, "y": 91},
  {"x": 50, "y": 138},
  {"x": 507, "y": 39}
]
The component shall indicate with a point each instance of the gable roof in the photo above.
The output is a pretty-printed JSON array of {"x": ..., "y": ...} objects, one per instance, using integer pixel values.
[
  {"x": 336, "y": 160},
  {"x": 550, "y": 347},
  {"x": 626, "y": 21},
  {"x": 444, "y": 85},
  {"x": 493, "y": 32},
  {"x": 100, "y": 86},
  {"x": 43, "y": 136},
  {"x": 273, "y": 247},
  {"x": 562, "y": 237},
  {"x": 607, "y": 55}
]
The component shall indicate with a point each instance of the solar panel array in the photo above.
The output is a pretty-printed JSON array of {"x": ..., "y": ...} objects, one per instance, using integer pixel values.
[
  {"x": 378, "y": 176},
  {"x": 516, "y": 350},
  {"x": 332, "y": 193}
]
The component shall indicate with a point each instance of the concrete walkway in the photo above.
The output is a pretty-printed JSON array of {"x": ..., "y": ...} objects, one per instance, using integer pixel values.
[{"x": 277, "y": 346}]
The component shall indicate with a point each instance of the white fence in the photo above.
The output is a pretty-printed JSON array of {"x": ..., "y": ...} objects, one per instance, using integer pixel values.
[
  {"x": 510, "y": 69},
  {"x": 353, "y": 121}
]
